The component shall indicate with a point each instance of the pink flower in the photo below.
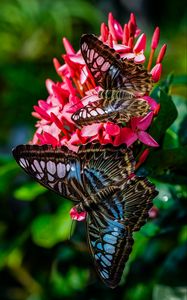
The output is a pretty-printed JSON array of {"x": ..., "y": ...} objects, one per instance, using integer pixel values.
[
  {"x": 129, "y": 135},
  {"x": 77, "y": 87},
  {"x": 138, "y": 50},
  {"x": 75, "y": 215}
]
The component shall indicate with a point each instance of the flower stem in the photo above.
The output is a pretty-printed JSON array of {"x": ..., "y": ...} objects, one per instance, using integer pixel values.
[{"x": 150, "y": 59}]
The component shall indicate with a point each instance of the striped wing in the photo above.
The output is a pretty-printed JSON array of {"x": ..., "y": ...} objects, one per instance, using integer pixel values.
[
  {"x": 117, "y": 106},
  {"x": 110, "y": 71},
  {"x": 58, "y": 169},
  {"x": 75, "y": 175},
  {"x": 122, "y": 82},
  {"x": 110, "y": 231},
  {"x": 96, "y": 177}
]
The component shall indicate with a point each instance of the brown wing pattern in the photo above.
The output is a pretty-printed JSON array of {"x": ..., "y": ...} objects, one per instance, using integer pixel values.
[
  {"x": 110, "y": 71},
  {"x": 123, "y": 84}
]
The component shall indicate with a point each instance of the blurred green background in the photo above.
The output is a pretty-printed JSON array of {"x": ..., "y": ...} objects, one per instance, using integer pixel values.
[{"x": 39, "y": 258}]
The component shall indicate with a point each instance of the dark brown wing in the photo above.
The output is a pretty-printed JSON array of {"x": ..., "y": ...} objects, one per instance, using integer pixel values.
[
  {"x": 116, "y": 106},
  {"x": 110, "y": 71}
]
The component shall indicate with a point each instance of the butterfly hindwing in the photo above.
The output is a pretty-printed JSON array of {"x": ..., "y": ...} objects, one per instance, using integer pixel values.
[
  {"x": 110, "y": 229},
  {"x": 110, "y": 243}
]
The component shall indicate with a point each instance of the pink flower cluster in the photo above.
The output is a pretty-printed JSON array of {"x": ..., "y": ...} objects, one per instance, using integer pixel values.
[{"x": 77, "y": 87}]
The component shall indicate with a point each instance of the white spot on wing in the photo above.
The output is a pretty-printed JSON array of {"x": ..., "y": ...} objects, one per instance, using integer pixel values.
[
  {"x": 37, "y": 166},
  {"x": 22, "y": 163},
  {"x": 61, "y": 170},
  {"x": 94, "y": 113},
  {"x": 42, "y": 163},
  {"x": 50, "y": 177},
  {"x": 51, "y": 167}
]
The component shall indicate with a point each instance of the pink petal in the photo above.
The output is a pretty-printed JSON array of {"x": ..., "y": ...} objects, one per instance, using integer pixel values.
[
  {"x": 89, "y": 99},
  {"x": 42, "y": 113},
  {"x": 112, "y": 129},
  {"x": 133, "y": 19},
  {"x": 125, "y": 35},
  {"x": 152, "y": 103},
  {"x": 121, "y": 48},
  {"x": 145, "y": 138},
  {"x": 140, "y": 44},
  {"x": 75, "y": 215},
  {"x": 90, "y": 130},
  {"x": 139, "y": 58},
  {"x": 49, "y": 85},
  {"x": 129, "y": 56},
  {"x": 68, "y": 47},
  {"x": 156, "y": 72},
  {"x": 104, "y": 32},
  {"x": 105, "y": 138},
  {"x": 50, "y": 139},
  {"x": 144, "y": 123},
  {"x": 153, "y": 212},
  {"x": 77, "y": 58},
  {"x": 84, "y": 75},
  {"x": 126, "y": 136},
  {"x": 134, "y": 122}
]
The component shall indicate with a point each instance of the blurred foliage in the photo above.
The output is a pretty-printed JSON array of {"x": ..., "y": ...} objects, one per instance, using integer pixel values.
[{"x": 43, "y": 256}]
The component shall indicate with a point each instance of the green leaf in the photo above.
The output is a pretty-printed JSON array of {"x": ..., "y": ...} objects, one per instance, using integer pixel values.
[
  {"x": 167, "y": 115},
  {"x": 180, "y": 79},
  {"x": 49, "y": 229},
  {"x": 29, "y": 191},
  {"x": 160, "y": 161}
]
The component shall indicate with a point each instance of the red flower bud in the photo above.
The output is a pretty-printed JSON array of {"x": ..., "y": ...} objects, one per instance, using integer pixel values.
[
  {"x": 161, "y": 54},
  {"x": 155, "y": 38},
  {"x": 156, "y": 72}
]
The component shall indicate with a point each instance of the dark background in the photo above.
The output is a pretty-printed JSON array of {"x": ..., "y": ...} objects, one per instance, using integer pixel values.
[{"x": 38, "y": 258}]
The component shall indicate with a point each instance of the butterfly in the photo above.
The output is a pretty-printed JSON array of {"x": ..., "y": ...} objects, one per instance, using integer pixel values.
[
  {"x": 101, "y": 181},
  {"x": 123, "y": 84}
]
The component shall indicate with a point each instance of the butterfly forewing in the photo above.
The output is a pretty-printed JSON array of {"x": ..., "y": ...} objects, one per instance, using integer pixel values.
[
  {"x": 110, "y": 71},
  {"x": 54, "y": 168}
]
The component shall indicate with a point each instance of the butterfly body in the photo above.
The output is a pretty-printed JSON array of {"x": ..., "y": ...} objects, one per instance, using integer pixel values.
[
  {"x": 101, "y": 181},
  {"x": 120, "y": 77}
]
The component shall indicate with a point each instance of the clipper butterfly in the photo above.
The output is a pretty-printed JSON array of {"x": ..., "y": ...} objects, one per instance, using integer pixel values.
[
  {"x": 101, "y": 180},
  {"x": 123, "y": 83}
]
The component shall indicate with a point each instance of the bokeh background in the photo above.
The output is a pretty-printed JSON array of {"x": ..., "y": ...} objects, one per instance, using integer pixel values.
[{"x": 40, "y": 258}]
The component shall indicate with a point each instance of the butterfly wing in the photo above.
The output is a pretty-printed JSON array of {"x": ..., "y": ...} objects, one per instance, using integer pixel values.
[
  {"x": 103, "y": 62},
  {"x": 137, "y": 194},
  {"x": 57, "y": 169},
  {"x": 71, "y": 174},
  {"x": 97, "y": 176},
  {"x": 110, "y": 71},
  {"x": 110, "y": 243},
  {"x": 110, "y": 227},
  {"x": 114, "y": 107}
]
